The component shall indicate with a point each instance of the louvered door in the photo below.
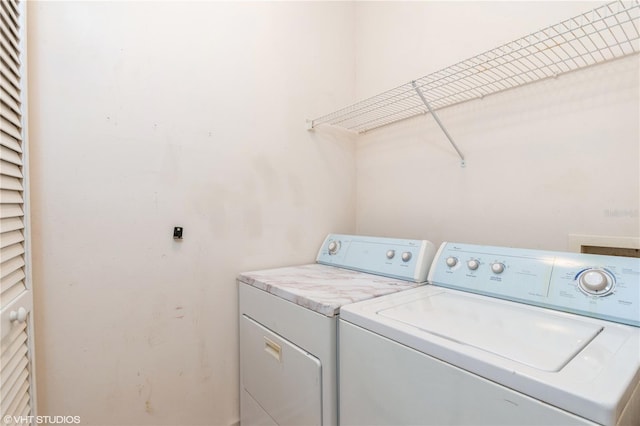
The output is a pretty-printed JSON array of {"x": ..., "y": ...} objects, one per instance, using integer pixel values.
[{"x": 16, "y": 330}]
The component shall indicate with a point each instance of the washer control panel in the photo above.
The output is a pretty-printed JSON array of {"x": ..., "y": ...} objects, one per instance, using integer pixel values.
[
  {"x": 606, "y": 287},
  {"x": 391, "y": 257}
]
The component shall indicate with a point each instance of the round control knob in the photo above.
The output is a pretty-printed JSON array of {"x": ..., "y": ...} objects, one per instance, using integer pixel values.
[
  {"x": 497, "y": 268},
  {"x": 334, "y": 246},
  {"x": 595, "y": 281},
  {"x": 391, "y": 254},
  {"x": 406, "y": 256},
  {"x": 451, "y": 261},
  {"x": 473, "y": 264}
]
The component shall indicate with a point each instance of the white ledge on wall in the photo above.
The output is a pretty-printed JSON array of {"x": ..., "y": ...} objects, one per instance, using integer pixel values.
[{"x": 605, "y": 33}]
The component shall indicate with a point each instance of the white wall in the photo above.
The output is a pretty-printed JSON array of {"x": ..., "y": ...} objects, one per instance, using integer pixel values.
[
  {"x": 147, "y": 115},
  {"x": 544, "y": 161}
]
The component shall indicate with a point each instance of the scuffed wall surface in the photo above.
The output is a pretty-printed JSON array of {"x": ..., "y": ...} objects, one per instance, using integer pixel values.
[{"x": 148, "y": 115}]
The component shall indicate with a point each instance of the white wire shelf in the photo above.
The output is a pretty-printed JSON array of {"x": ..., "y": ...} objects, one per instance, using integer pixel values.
[{"x": 602, "y": 34}]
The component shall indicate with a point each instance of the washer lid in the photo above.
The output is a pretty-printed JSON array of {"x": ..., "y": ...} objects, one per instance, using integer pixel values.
[{"x": 532, "y": 338}]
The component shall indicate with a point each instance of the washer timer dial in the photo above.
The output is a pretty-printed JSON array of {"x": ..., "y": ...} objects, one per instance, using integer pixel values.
[{"x": 595, "y": 281}]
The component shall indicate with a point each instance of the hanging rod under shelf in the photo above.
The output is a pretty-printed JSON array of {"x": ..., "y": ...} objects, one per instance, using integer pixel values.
[{"x": 602, "y": 34}]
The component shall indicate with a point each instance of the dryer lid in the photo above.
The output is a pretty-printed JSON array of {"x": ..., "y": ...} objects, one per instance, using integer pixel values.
[{"x": 544, "y": 340}]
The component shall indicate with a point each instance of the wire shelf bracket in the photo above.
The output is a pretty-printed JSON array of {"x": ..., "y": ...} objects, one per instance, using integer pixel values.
[
  {"x": 437, "y": 119},
  {"x": 608, "y": 32}
]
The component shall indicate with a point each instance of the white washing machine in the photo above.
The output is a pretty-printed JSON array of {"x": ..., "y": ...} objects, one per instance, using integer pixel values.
[
  {"x": 288, "y": 324},
  {"x": 503, "y": 336}
]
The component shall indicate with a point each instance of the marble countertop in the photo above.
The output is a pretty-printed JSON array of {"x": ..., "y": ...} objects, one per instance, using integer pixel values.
[{"x": 321, "y": 288}]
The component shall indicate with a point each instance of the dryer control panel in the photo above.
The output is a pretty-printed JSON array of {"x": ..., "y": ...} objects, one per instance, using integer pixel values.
[
  {"x": 606, "y": 287},
  {"x": 391, "y": 257}
]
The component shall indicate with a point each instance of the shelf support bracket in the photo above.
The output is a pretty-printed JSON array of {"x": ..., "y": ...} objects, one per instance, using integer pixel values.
[{"x": 435, "y": 117}]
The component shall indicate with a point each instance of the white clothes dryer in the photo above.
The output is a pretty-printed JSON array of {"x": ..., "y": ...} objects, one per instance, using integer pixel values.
[
  {"x": 503, "y": 336},
  {"x": 288, "y": 323}
]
